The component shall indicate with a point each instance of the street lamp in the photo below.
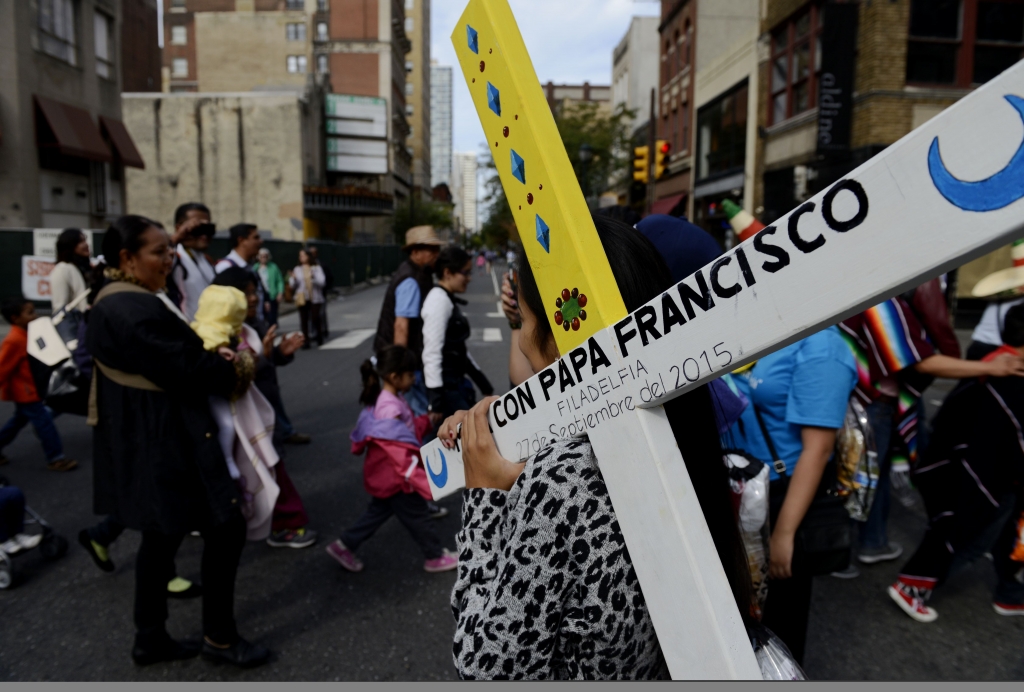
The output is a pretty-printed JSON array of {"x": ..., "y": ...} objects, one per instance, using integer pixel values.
[{"x": 586, "y": 155}]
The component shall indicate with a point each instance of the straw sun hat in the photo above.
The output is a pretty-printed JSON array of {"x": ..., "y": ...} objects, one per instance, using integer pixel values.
[
  {"x": 1005, "y": 281},
  {"x": 421, "y": 235}
]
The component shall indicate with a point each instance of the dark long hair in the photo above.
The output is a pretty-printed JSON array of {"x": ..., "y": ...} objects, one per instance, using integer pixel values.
[
  {"x": 453, "y": 258},
  {"x": 124, "y": 234},
  {"x": 393, "y": 360},
  {"x": 641, "y": 274},
  {"x": 67, "y": 241}
]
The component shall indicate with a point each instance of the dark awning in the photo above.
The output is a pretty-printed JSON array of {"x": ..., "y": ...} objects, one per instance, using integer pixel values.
[
  {"x": 123, "y": 143},
  {"x": 666, "y": 204},
  {"x": 74, "y": 132}
]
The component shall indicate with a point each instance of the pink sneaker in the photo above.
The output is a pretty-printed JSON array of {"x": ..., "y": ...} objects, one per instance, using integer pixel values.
[
  {"x": 344, "y": 557},
  {"x": 911, "y": 601},
  {"x": 447, "y": 562}
]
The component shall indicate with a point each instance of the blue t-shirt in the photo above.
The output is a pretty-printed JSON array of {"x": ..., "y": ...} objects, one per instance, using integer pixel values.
[
  {"x": 805, "y": 384},
  {"x": 407, "y": 299}
]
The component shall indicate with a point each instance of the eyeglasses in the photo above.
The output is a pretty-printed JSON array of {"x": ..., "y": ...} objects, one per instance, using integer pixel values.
[{"x": 468, "y": 272}]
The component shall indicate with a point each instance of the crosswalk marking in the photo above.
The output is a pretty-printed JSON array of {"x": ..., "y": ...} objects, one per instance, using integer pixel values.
[
  {"x": 499, "y": 313},
  {"x": 351, "y": 340},
  {"x": 492, "y": 334}
]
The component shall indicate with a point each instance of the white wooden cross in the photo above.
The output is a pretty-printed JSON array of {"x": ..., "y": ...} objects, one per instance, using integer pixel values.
[{"x": 903, "y": 217}]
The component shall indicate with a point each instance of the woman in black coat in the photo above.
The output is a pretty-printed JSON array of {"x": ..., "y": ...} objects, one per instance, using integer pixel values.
[{"x": 157, "y": 463}]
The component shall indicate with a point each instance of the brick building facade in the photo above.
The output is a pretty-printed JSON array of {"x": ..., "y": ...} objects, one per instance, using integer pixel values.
[
  {"x": 140, "y": 50},
  {"x": 678, "y": 34}
]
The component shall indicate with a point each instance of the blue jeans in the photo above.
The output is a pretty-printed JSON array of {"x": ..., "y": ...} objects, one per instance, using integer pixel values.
[
  {"x": 874, "y": 531},
  {"x": 41, "y": 419},
  {"x": 417, "y": 396}
]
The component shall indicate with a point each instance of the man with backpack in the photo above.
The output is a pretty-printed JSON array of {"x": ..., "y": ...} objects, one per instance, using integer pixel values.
[{"x": 896, "y": 362}]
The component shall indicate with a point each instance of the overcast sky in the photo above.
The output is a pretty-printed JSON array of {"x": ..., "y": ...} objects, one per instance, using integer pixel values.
[{"x": 570, "y": 41}]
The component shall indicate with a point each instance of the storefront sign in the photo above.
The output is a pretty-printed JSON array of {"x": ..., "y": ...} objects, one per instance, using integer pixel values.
[
  {"x": 44, "y": 242},
  {"x": 835, "y": 86}
]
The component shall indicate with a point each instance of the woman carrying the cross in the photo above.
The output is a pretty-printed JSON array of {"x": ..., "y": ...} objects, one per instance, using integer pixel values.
[{"x": 546, "y": 588}]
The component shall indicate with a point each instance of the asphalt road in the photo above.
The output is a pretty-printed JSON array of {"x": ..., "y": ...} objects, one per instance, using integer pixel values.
[{"x": 68, "y": 621}]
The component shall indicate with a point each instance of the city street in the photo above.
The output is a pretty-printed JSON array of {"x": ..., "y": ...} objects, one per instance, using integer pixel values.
[{"x": 68, "y": 621}]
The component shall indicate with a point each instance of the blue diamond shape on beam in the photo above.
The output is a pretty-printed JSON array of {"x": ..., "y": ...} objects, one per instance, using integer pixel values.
[
  {"x": 519, "y": 168},
  {"x": 493, "y": 98},
  {"x": 543, "y": 234},
  {"x": 471, "y": 37}
]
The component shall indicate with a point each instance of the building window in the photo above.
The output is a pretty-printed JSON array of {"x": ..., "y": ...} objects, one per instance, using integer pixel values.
[
  {"x": 410, "y": 4},
  {"x": 796, "y": 61},
  {"x": 179, "y": 67},
  {"x": 321, "y": 31},
  {"x": 409, "y": 87},
  {"x": 103, "y": 35},
  {"x": 296, "y": 64},
  {"x": 409, "y": 65},
  {"x": 178, "y": 4},
  {"x": 295, "y": 4},
  {"x": 942, "y": 48},
  {"x": 57, "y": 29},
  {"x": 664, "y": 63},
  {"x": 179, "y": 35},
  {"x": 409, "y": 24},
  {"x": 687, "y": 42},
  {"x": 295, "y": 31},
  {"x": 409, "y": 109},
  {"x": 322, "y": 65},
  {"x": 676, "y": 48},
  {"x": 321, "y": 5},
  {"x": 722, "y": 134}
]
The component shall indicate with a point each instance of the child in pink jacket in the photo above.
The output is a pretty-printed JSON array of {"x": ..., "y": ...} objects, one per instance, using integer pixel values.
[{"x": 392, "y": 473}]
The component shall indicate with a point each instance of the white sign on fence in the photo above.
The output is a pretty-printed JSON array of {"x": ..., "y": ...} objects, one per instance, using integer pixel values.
[
  {"x": 35, "y": 277},
  {"x": 44, "y": 242}
]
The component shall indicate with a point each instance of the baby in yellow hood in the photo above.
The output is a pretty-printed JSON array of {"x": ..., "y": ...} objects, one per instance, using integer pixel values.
[{"x": 246, "y": 423}]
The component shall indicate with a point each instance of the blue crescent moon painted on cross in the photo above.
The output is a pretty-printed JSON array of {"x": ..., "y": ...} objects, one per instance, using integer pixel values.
[
  {"x": 440, "y": 479},
  {"x": 995, "y": 192}
]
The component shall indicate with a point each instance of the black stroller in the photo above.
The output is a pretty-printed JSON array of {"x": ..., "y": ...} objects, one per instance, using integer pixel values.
[{"x": 51, "y": 547}]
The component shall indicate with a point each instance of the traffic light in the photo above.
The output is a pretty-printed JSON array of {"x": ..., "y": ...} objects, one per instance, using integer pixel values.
[
  {"x": 661, "y": 149},
  {"x": 641, "y": 163}
]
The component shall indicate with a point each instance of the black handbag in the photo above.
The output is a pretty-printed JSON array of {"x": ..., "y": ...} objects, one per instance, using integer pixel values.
[{"x": 823, "y": 543}]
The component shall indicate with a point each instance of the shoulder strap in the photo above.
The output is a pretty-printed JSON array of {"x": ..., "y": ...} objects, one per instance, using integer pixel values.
[
  {"x": 779, "y": 464},
  {"x": 119, "y": 287}
]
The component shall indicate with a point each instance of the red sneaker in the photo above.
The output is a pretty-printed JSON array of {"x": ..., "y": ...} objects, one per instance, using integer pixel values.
[
  {"x": 910, "y": 599},
  {"x": 1008, "y": 608}
]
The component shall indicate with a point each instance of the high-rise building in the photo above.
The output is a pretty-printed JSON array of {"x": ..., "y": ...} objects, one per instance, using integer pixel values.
[
  {"x": 464, "y": 191},
  {"x": 440, "y": 124},
  {"x": 417, "y": 93},
  {"x": 635, "y": 69},
  {"x": 64, "y": 147},
  {"x": 212, "y": 45}
]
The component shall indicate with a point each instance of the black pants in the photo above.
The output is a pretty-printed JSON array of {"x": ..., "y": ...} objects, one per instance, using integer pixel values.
[
  {"x": 154, "y": 567},
  {"x": 411, "y": 510},
  {"x": 309, "y": 318},
  {"x": 788, "y": 605}
]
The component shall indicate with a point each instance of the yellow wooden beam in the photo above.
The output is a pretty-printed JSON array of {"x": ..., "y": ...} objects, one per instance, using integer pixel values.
[{"x": 550, "y": 211}]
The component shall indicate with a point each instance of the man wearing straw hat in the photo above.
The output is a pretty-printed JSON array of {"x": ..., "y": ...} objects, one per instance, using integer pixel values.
[
  {"x": 1004, "y": 289},
  {"x": 400, "y": 322}
]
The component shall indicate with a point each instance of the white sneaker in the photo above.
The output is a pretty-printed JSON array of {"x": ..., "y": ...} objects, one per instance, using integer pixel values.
[
  {"x": 10, "y": 547},
  {"x": 28, "y": 541}
]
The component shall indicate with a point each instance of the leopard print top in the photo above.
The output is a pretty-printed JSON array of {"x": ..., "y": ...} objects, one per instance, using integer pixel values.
[{"x": 545, "y": 586}]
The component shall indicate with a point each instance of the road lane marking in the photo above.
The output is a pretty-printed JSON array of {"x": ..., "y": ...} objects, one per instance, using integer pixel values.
[
  {"x": 492, "y": 334},
  {"x": 351, "y": 340},
  {"x": 494, "y": 280},
  {"x": 499, "y": 313}
]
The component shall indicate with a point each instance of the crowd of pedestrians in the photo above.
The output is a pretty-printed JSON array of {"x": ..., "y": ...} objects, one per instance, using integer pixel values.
[{"x": 184, "y": 353}]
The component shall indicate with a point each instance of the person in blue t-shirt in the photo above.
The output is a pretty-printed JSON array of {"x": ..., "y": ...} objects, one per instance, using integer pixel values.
[{"x": 801, "y": 392}]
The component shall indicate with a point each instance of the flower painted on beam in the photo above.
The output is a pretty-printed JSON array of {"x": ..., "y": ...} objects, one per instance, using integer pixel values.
[{"x": 571, "y": 311}]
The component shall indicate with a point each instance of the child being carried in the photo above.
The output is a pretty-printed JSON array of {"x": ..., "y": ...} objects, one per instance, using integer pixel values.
[{"x": 246, "y": 423}]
